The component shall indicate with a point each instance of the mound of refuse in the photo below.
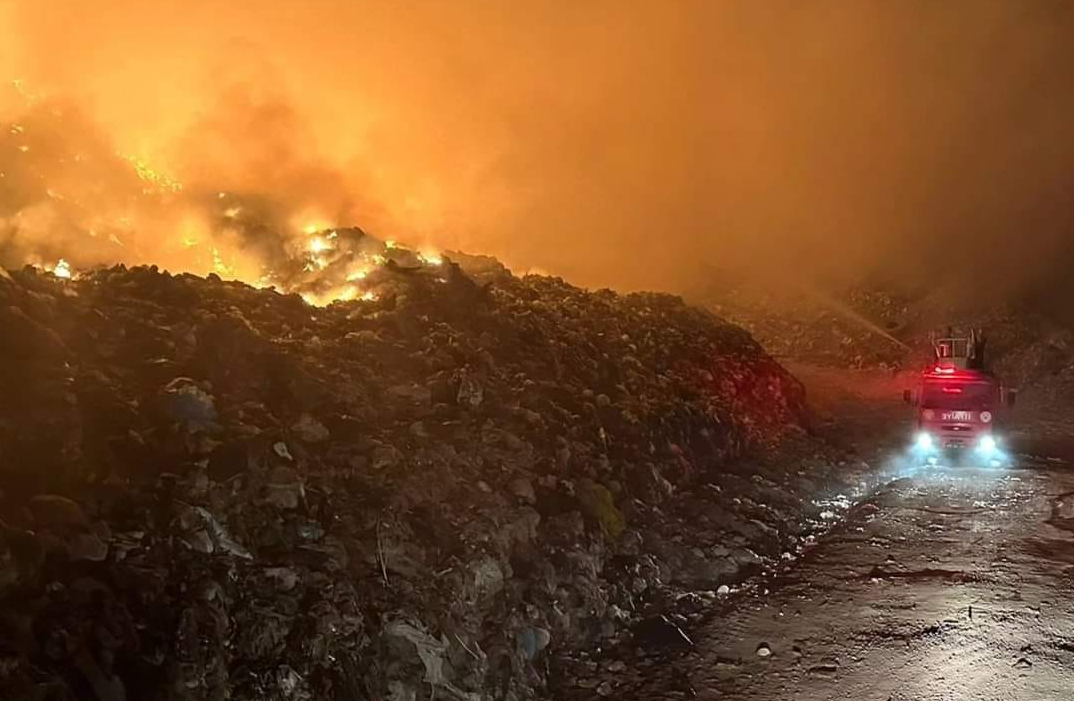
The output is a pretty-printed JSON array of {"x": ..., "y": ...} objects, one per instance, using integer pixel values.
[
  {"x": 855, "y": 328},
  {"x": 213, "y": 491},
  {"x": 1029, "y": 345}
]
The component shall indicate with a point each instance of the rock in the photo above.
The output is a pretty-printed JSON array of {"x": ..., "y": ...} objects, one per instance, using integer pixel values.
[
  {"x": 106, "y": 686},
  {"x": 188, "y": 404},
  {"x": 57, "y": 511},
  {"x": 310, "y": 429},
  {"x": 471, "y": 393},
  {"x": 763, "y": 650},
  {"x": 284, "y": 489},
  {"x": 660, "y": 633},
  {"x": 723, "y": 590},
  {"x": 523, "y": 489},
  {"x": 87, "y": 546},
  {"x": 198, "y": 520},
  {"x": 488, "y": 577},
  {"x": 284, "y": 577},
  {"x": 385, "y": 457}
]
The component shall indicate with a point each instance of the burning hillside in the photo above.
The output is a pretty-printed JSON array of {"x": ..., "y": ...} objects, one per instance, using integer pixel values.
[{"x": 70, "y": 201}]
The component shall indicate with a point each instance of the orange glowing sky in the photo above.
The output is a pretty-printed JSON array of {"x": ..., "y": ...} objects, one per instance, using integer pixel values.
[{"x": 615, "y": 143}]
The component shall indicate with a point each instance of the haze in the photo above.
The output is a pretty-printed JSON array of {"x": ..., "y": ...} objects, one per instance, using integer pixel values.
[{"x": 628, "y": 144}]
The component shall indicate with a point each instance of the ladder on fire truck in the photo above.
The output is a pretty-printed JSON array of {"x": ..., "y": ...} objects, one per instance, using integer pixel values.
[{"x": 961, "y": 352}]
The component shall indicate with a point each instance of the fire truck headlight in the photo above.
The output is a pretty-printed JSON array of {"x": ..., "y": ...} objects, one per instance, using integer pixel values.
[
  {"x": 924, "y": 441},
  {"x": 987, "y": 445}
]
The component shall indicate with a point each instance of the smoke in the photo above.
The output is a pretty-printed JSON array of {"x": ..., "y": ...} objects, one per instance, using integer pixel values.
[{"x": 653, "y": 145}]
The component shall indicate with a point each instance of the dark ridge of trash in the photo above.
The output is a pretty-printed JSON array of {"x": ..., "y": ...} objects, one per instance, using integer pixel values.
[
  {"x": 210, "y": 491},
  {"x": 1030, "y": 347}
]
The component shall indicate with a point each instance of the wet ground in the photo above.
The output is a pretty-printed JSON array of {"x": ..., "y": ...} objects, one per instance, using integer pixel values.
[
  {"x": 953, "y": 584},
  {"x": 943, "y": 584}
]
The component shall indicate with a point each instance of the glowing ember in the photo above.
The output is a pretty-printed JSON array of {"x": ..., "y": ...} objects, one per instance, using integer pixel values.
[
  {"x": 358, "y": 275},
  {"x": 232, "y": 212},
  {"x": 315, "y": 263},
  {"x": 430, "y": 257},
  {"x": 62, "y": 269},
  {"x": 368, "y": 297},
  {"x": 319, "y": 245},
  {"x": 389, "y": 244}
]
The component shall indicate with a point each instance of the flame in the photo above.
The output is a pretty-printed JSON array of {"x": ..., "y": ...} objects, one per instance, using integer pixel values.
[
  {"x": 156, "y": 181},
  {"x": 219, "y": 266},
  {"x": 62, "y": 269},
  {"x": 431, "y": 257},
  {"x": 315, "y": 226},
  {"x": 320, "y": 262},
  {"x": 319, "y": 245},
  {"x": 345, "y": 293}
]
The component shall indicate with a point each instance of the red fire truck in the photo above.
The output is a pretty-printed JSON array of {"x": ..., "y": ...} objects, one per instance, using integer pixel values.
[{"x": 959, "y": 405}]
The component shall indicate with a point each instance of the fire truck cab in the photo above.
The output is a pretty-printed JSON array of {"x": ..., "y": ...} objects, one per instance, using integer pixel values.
[{"x": 959, "y": 405}]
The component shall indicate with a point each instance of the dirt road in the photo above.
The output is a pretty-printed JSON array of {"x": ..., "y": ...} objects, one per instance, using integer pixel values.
[
  {"x": 954, "y": 584},
  {"x": 946, "y": 584}
]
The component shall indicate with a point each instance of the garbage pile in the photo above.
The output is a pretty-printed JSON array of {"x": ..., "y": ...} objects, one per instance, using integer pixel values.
[
  {"x": 853, "y": 328},
  {"x": 211, "y": 491},
  {"x": 847, "y": 329}
]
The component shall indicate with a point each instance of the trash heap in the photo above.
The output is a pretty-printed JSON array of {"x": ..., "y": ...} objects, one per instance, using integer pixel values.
[
  {"x": 846, "y": 329},
  {"x": 210, "y": 491}
]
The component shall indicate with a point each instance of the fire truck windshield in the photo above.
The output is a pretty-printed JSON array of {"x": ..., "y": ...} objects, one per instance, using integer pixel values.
[{"x": 957, "y": 396}]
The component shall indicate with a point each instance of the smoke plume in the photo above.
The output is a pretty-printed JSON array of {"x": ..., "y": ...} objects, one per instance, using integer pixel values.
[{"x": 624, "y": 144}]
